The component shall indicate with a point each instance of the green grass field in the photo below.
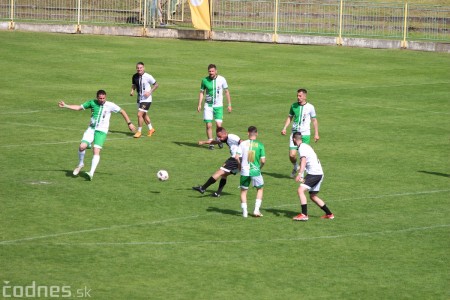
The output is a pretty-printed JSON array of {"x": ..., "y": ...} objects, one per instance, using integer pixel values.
[{"x": 384, "y": 118}]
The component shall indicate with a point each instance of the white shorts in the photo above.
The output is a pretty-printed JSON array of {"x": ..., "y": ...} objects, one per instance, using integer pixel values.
[
  {"x": 257, "y": 181},
  {"x": 212, "y": 113},
  {"x": 89, "y": 137}
]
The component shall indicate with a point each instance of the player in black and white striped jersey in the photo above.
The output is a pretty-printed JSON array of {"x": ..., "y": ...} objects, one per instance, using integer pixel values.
[
  {"x": 230, "y": 166},
  {"x": 310, "y": 164},
  {"x": 145, "y": 85}
]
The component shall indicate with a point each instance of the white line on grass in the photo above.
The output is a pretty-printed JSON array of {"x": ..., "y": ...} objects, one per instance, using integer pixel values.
[
  {"x": 196, "y": 216},
  {"x": 58, "y": 143},
  {"x": 94, "y": 230},
  {"x": 43, "y": 126},
  {"x": 339, "y": 236},
  {"x": 21, "y": 112}
]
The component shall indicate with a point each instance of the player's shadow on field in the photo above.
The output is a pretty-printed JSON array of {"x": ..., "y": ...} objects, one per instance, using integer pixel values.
[
  {"x": 189, "y": 144},
  {"x": 83, "y": 175},
  {"x": 207, "y": 194},
  {"x": 224, "y": 211},
  {"x": 435, "y": 173},
  {"x": 276, "y": 175},
  {"x": 281, "y": 212},
  {"x": 128, "y": 133},
  {"x": 69, "y": 173}
]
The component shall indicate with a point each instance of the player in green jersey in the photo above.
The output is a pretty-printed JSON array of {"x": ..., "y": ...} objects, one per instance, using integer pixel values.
[
  {"x": 252, "y": 157},
  {"x": 301, "y": 114},
  {"x": 212, "y": 88},
  {"x": 98, "y": 128}
]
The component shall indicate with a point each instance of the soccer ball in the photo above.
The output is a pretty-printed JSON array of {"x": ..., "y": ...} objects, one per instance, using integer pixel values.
[{"x": 162, "y": 175}]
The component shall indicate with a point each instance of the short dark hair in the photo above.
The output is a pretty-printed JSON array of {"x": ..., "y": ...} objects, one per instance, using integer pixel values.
[
  {"x": 252, "y": 129},
  {"x": 297, "y": 135},
  {"x": 101, "y": 92},
  {"x": 220, "y": 129},
  {"x": 140, "y": 63},
  {"x": 212, "y": 66},
  {"x": 304, "y": 91}
]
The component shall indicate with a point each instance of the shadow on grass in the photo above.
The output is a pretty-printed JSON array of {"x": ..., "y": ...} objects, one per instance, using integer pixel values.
[
  {"x": 282, "y": 212},
  {"x": 189, "y": 144},
  {"x": 435, "y": 173},
  {"x": 82, "y": 174},
  {"x": 276, "y": 175},
  {"x": 127, "y": 133},
  {"x": 69, "y": 173},
  {"x": 208, "y": 193},
  {"x": 224, "y": 211}
]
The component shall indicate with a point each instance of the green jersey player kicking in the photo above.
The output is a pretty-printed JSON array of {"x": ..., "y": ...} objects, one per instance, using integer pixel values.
[{"x": 98, "y": 128}]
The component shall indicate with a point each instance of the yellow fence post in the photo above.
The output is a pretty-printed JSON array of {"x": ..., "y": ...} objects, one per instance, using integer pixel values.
[
  {"x": 404, "y": 44},
  {"x": 275, "y": 21},
  {"x": 339, "y": 38},
  {"x": 11, "y": 24}
]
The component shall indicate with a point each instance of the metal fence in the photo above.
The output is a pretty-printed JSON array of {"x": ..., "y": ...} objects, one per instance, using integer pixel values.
[{"x": 340, "y": 18}]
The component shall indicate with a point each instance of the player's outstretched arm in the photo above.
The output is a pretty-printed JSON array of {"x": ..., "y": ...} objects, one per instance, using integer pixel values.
[
  {"x": 62, "y": 104},
  {"x": 208, "y": 142}
]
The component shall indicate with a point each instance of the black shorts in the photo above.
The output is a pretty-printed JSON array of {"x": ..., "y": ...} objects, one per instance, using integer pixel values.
[
  {"x": 313, "y": 182},
  {"x": 144, "y": 106},
  {"x": 231, "y": 165}
]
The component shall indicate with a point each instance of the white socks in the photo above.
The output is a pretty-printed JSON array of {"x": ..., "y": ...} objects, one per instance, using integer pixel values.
[
  {"x": 150, "y": 126},
  {"x": 257, "y": 206},
  {"x": 81, "y": 157},
  {"x": 244, "y": 210},
  {"x": 95, "y": 161},
  {"x": 258, "y": 203}
]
